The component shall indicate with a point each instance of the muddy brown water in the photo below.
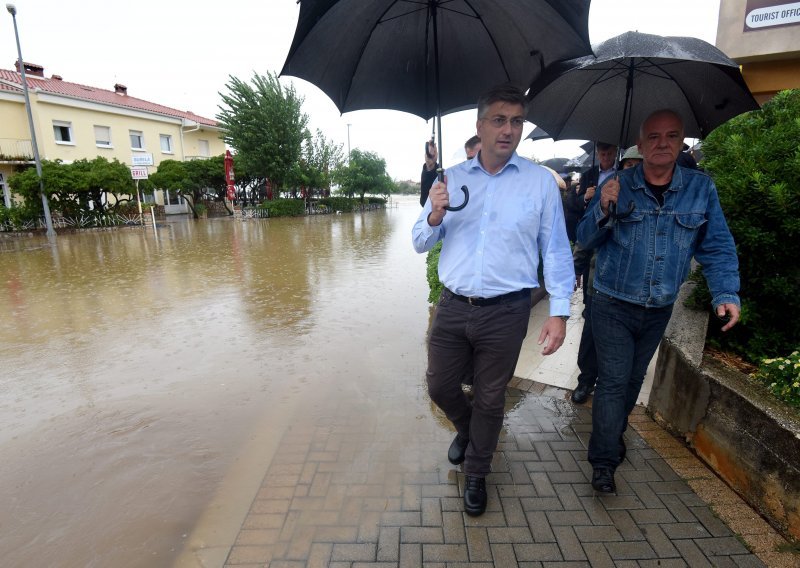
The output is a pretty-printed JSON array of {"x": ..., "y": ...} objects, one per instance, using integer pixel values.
[{"x": 143, "y": 373}]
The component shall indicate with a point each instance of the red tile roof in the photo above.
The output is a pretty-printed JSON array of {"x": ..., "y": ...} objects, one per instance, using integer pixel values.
[{"x": 93, "y": 94}]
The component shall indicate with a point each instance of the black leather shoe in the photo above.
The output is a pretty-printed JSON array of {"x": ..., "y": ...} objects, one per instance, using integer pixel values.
[
  {"x": 458, "y": 450},
  {"x": 474, "y": 495},
  {"x": 603, "y": 480},
  {"x": 581, "y": 393}
]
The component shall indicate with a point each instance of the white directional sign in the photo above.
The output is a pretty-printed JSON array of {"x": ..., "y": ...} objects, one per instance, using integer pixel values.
[{"x": 139, "y": 173}]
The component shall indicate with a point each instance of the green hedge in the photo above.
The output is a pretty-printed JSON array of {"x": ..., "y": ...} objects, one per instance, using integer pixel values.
[
  {"x": 284, "y": 207},
  {"x": 432, "y": 273},
  {"x": 755, "y": 162},
  {"x": 343, "y": 204}
]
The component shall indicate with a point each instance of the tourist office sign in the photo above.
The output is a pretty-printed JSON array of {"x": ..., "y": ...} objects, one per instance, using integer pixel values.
[{"x": 768, "y": 14}]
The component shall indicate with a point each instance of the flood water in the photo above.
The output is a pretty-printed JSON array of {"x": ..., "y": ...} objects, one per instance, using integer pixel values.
[{"x": 138, "y": 369}]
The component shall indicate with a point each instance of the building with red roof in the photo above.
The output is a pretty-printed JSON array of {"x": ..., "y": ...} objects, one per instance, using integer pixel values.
[{"x": 75, "y": 121}]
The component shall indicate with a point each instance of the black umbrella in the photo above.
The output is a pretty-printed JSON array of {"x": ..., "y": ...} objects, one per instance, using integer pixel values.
[
  {"x": 429, "y": 57},
  {"x": 608, "y": 95},
  {"x": 580, "y": 163},
  {"x": 556, "y": 164},
  {"x": 537, "y": 134}
]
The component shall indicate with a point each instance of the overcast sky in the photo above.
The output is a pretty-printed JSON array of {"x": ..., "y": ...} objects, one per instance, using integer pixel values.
[{"x": 181, "y": 53}]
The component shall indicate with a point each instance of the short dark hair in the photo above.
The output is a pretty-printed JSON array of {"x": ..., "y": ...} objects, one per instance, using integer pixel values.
[
  {"x": 472, "y": 142},
  {"x": 507, "y": 93},
  {"x": 605, "y": 146}
]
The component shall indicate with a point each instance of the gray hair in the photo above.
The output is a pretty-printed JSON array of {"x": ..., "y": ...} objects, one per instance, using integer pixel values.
[{"x": 659, "y": 112}]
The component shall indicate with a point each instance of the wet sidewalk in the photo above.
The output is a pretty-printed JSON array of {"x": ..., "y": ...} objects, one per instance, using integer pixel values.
[{"x": 357, "y": 486}]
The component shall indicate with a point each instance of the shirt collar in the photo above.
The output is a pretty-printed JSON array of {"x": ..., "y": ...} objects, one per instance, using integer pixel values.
[{"x": 514, "y": 160}]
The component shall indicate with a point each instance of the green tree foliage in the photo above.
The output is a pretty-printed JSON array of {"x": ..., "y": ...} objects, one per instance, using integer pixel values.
[
  {"x": 194, "y": 180},
  {"x": 70, "y": 187},
  {"x": 755, "y": 161},
  {"x": 321, "y": 157},
  {"x": 366, "y": 173},
  {"x": 263, "y": 121}
]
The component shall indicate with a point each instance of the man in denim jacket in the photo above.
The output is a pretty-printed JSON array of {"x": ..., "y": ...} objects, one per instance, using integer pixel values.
[{"x": 666, "y": 214}]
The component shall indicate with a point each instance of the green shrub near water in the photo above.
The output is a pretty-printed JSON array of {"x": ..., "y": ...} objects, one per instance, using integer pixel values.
[
  {"x": 343, "y": 204},
  {"x": 432, "y": 273},
  {"x": 284, "y": 207},
  {"x": 755, "y": 162}
]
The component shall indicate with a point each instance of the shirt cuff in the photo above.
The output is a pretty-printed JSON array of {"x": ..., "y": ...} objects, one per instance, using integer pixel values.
[{"x": 559, "y": 307}]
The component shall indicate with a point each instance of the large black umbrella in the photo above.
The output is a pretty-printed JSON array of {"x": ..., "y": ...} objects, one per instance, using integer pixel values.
[
  {"x": 608, "y": 95},
  {"x": 429, "y": 57},
  {"x": 556, "y": 164}
]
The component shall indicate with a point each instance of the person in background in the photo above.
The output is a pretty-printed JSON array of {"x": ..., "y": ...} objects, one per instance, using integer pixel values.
[
  {"x": 666, "y": 215},
  {"x": 429, "y": 169},
  {"x": 488, "y": 266},
  {"x": 584, "y": 262}
]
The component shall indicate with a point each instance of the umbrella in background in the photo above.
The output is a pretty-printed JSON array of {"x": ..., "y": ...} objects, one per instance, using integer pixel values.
[
  {"x": 556, "y": 164},
  {"x": 608, "y": 95},
  {"x": 537, "y": 134},
  {"x": 430, "y": 57},
  {"x": 580, "y": 163}
]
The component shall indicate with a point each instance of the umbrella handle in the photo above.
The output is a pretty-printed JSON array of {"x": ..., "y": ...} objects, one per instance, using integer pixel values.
[{"x": 466, "y": 200}]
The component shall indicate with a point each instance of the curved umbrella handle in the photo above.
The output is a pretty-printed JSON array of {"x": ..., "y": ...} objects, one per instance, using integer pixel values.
[{"x": 466, "y": 200}]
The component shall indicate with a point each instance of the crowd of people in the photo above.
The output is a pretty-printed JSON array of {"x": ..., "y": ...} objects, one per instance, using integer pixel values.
[{"x": 629, "y": 261}]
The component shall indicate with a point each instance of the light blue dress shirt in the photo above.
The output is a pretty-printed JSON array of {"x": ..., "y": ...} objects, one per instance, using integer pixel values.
[{"x": 492, "y": 246}]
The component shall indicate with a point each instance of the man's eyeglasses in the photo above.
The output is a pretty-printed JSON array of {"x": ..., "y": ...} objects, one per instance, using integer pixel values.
[{"x": 500, "y": 121}]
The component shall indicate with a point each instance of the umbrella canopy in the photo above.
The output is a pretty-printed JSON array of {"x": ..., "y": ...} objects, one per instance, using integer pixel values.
[
  {"x": 556, "y": 164},
  {"x": 537, "y": 134},
  {"x": 608, "y": 95},
  {"x": 579, "y": 163},
  {"x": 405, "y": 54}
]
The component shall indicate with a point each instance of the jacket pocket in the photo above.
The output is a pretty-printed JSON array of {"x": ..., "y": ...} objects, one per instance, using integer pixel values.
[
  {"x": 628, "y": 230},
  {"x": 687, "y": 227}
]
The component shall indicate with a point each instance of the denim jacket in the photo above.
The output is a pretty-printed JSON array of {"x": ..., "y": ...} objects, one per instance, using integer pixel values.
[{"x": 645, "y": 257}]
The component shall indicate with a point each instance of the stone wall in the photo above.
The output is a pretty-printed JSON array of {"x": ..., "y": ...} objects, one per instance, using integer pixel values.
[{"x": 750, "y": 439}]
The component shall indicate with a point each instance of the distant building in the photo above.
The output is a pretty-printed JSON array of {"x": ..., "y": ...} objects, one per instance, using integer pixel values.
[
  {"x": 74, "y": 122},
  {"x": 763, "y": 36}
]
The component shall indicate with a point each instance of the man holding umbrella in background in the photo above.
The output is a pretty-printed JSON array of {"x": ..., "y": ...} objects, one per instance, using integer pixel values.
[
  {"x": 667, "y": 215},
  {"x": 488, "y": 265}
]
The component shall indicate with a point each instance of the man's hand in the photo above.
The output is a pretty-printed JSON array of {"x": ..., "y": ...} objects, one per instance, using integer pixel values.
[
  {"x": 729, "y": 312},
  {"x": 439, "y": 198},
  {"x": 553, "y": 333},
  {"x": 587, "y": 197},
  {"x": 432, "y": 156},
  {"x": 609, "y": 194}
]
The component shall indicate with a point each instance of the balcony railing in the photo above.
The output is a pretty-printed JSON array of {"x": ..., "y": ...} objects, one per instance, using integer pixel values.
[{"x": 15, "y": 150}]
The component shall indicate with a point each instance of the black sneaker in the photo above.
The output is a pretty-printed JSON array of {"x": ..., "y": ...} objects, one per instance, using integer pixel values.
[{"x": 603, "y": 480}]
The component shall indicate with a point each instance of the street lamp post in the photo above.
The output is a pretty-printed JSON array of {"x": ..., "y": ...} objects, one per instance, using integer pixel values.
[
  {"x": 47, "y": 219},
  {"x": 348, "y": 143}
]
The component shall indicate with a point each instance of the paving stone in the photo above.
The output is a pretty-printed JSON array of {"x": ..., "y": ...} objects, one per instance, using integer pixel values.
[
  {"x": 568, "y": 543},
  {"x": 537, "y": 552}
]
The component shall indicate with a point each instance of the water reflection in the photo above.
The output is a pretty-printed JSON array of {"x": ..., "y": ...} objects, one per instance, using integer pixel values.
[{"x": 138, "y": 366}]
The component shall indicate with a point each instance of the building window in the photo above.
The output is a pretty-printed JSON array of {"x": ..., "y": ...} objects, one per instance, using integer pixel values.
[
  {"x": 62, "y": 131},
  {"x": 166, "y": 143},
  {"x": 137, "y": 139},
  {"x": 102, "y": 136},
  {"x": 203, "y": 145}
]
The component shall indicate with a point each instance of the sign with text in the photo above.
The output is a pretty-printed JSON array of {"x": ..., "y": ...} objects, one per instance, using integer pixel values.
[
  {"x": 762, "y": 14},
  {"x": 142, "y": 159},
  {"x": 139, "y": 172}
]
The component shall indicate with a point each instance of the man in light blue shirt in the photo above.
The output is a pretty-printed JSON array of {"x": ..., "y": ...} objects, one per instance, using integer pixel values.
[{"x": 488, "y": 265}]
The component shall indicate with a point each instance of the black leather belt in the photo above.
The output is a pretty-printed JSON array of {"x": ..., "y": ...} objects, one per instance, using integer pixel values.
[{"x": 503, "y": 298}]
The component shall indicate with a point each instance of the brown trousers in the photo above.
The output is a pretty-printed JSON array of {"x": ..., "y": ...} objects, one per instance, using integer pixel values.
[{"x": 488, "y": 339}]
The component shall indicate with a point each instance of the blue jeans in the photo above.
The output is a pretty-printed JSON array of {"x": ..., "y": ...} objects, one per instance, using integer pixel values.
[{"x": 626, "y": 336}]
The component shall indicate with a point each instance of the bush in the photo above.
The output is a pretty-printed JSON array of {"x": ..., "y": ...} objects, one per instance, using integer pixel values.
[
  {"x": 284, "y": 207},
  {"x": 432, "y": 273},
  {"x": 755, "y": 162},
  {"x": 16, "y": 218},
  {"x": 782, "y": 377},
  {"x": 344, "y": 204}
]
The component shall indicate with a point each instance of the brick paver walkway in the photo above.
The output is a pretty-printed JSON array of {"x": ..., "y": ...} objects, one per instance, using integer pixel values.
[{"x": 355, "y": 488}]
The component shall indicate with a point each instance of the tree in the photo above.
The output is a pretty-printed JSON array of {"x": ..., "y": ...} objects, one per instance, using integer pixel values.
[
  {"x": 263, "y": 121},
  {"x": 366, "y": 173},
  {"x": 321, "y": 157},
  {"x": 194, "y": 180}
]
